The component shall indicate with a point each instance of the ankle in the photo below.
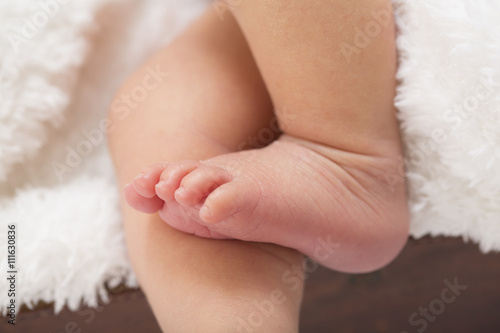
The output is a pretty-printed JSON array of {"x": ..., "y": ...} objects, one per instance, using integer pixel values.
[{"x": 381, "y": 147}]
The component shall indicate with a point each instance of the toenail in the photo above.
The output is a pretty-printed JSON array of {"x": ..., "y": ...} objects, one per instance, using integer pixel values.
[
  {"x": 204, "y": 210},
  {"x": 140, "y": 175},
  {"x": 181, "y": 190},
  {"x": 161, "y": 183}
]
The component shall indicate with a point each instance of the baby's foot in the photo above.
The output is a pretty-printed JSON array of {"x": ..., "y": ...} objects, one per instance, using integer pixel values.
[{"x": 329, "y": 204}]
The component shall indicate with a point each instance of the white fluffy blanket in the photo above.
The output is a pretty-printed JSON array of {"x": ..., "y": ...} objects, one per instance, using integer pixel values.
[
  {"x": 61, "y": 62},
  {"x": 449, "y": 107}
]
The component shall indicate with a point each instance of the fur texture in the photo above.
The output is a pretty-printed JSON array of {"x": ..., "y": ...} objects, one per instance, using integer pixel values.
[
  {"x": 56, "y": 178},
  {"x": 449, "y": 107}
]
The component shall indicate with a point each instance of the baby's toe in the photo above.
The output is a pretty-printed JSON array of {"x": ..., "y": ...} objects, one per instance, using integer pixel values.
[
  {"x": 198, "y": 184},
  {"x": 141, "y": 203},
  {"x": 171, "y": 178},
  {"x": 225, "y": 201},
  {"x": 144, "y": 183}
]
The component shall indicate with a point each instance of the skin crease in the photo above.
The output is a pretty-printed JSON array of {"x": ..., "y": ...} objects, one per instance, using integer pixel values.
[{"x": 337, "y": 116}]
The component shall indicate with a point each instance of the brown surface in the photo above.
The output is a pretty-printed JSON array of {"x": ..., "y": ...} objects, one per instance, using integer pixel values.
[
  {"x": 339, "y": 303},
  {"x": 128, "y": 311},
  {"x": 383, "y": 301}
]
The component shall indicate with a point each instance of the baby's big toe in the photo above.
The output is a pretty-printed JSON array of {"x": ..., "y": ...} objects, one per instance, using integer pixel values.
[
  {"x": 198, "y": 184},
  {"x": 227, "y": 200}
]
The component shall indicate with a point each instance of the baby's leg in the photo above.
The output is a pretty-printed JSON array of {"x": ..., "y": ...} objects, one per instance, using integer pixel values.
[
  {"x": 210, "y": 102},
  {"x": 327, "y": 186},
  {"x": 332, "y": 92}
]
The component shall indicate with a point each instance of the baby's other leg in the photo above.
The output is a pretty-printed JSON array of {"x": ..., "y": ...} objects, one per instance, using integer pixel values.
[
  {"x": 324, "y": 91},
  {"x": 210, "y": 102}
]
